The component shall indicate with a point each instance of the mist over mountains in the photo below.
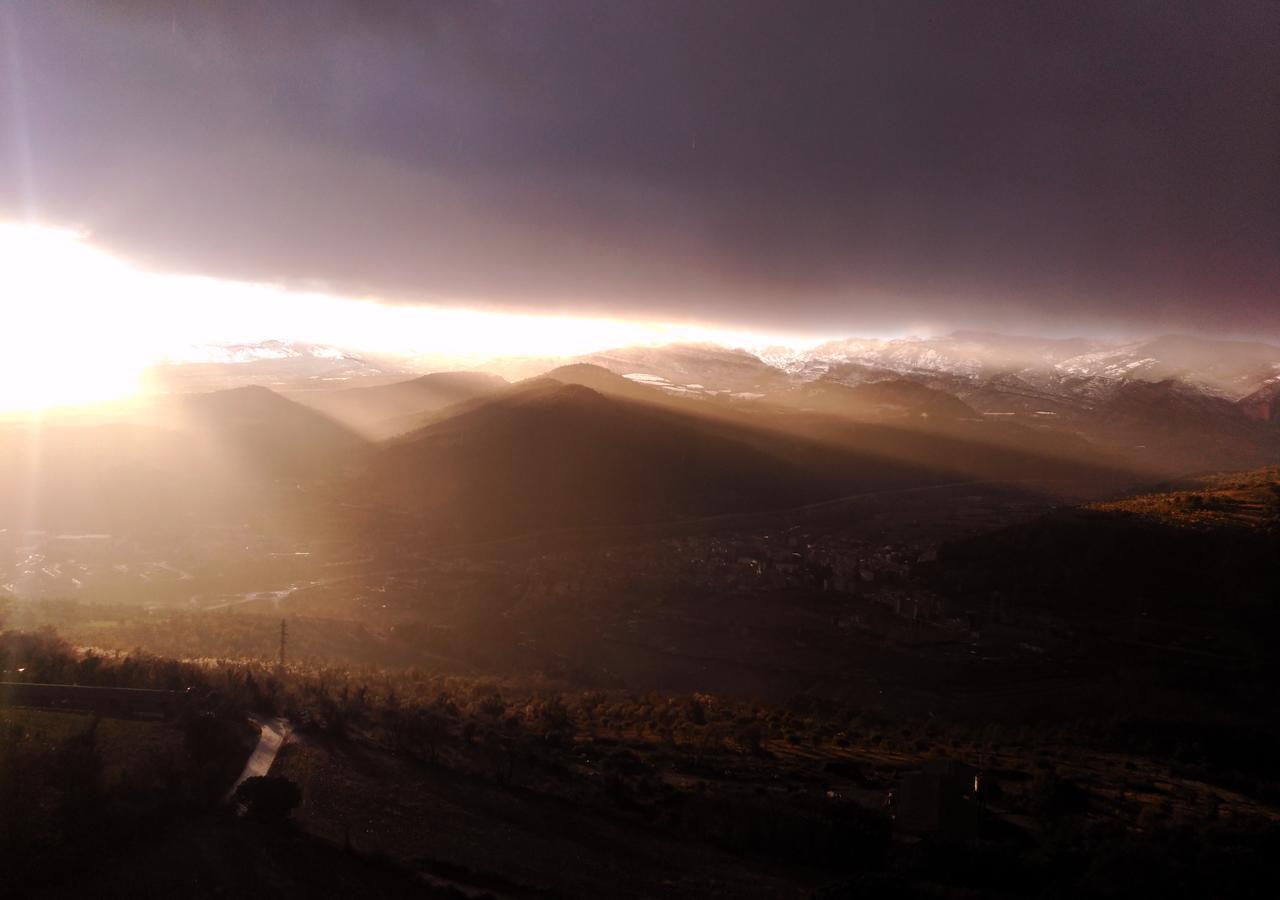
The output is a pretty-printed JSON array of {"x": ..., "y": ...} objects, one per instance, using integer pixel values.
[
  {"x": 647, "y": 433},
  {"x": 974, "y": 529},
  {"x": 1229, "y": 368},
  {"x": 1173, "y": 403}
]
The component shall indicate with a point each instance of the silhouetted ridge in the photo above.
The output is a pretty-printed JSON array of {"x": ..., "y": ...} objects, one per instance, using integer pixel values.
[
  {"x": 888, "y": 398},
  {"x": 1263, "y": 404},
  {"x": 547, "y": 454},
  {"x": 1211, "y": 546},
  {"x": 604, "y": 381},
  {"x": 386, "y": 410},
  {"x": 265, "y": 432}
]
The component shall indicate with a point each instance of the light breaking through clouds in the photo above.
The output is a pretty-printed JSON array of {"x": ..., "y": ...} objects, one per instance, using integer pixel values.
[
  {"x": 83, "y": 325},
  {"x": 828, "y": 167}
]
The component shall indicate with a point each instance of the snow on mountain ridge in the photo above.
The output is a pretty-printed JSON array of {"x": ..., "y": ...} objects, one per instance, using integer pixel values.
[{"x": 1222, "y": 368}]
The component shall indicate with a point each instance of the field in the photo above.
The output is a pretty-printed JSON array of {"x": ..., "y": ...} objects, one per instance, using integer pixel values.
[
  {"x": 514, "y": 840},
  {"x": 131, "y": 750},
  {"x": 725, "y": 799},
  {"x": 1240, "y": 500}
]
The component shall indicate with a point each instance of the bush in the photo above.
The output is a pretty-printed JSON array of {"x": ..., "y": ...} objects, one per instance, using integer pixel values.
[
  {"x": 268, "y": 798},
  {"x": 1053, "y": 797}
]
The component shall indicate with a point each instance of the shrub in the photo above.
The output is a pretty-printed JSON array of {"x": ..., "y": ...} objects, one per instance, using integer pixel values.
[{"x": 268, "y": 798}]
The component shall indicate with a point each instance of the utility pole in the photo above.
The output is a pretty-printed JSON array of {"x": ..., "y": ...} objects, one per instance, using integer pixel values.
[{"x": 283, "y": 634}]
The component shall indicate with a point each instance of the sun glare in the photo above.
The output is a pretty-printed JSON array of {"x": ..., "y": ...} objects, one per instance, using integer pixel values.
[
  {"x": 66, "y": 337},
  {"x": 82, "y": 327}
]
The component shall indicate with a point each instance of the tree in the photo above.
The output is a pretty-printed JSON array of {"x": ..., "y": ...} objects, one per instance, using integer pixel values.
[
  {"x": 268, "y": 798},
  {"x": 749, "y": 736},
  {"x": 1053, "y": 797},
  {"x": 427, "y": 729},
  {"x": 79, "y": 766}
]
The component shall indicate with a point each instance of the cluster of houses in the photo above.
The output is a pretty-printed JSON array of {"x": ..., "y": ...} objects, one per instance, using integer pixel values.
[
  {"x": 39, "y": 563},
  {"x": 45, "y": 565},
  {"x": 777, "y": 561},
  {"x": 829, "y": 563},
  {"x": 50, "y": 565}
]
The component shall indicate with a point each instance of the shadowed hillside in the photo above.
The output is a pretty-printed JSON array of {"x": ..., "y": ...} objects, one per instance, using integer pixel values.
[
  {"x": 548, "y": 455},
  {"x": 387, "y": 410},
  {"x": 266, "y": 433},
  {"x": 176, "y": 459},
  {"x": 893, "y": 398},
  {"x": 700, "y": 366},
  {"x": 1174, "y": 427},
  {"x": 1207, "y": 550},
  {"x": 603, "y": 381}
]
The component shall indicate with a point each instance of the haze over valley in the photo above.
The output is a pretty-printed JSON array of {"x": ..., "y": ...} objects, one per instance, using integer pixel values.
[{"x": 614, "y": 494}]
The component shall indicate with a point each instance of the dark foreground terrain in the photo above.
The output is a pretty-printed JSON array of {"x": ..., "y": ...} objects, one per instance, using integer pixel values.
[
  {"x": 583, "y": 636},
  {"x": 415, "y": 785},
  {"x": 1080, "y": 695}
]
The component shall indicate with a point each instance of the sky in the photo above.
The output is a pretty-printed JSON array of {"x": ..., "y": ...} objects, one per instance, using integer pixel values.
[
  {"x": 83, "y": 326},
  {"x": 802, "y": 168}
]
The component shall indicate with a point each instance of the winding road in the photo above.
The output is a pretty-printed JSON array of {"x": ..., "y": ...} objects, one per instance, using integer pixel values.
[{"x": 273, "y": 734}]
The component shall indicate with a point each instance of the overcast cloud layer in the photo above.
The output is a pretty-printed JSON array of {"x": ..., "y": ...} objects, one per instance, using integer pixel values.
[{"x": 821, "y": 167}]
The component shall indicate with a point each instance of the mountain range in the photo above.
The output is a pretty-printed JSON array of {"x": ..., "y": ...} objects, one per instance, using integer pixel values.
[
  {"x": 1080, "y": 367},
  {"x": 1232, "y": 369},
  {"x": 646, "y": 434},
  {"x": 1173, "y": 403}
]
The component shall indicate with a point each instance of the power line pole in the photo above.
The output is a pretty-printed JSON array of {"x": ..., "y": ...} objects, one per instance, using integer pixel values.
[{"x": 283, "y": 634}]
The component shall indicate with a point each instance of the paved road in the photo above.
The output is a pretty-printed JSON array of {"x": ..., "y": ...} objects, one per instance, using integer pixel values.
[{"x": 274, "y": 732}]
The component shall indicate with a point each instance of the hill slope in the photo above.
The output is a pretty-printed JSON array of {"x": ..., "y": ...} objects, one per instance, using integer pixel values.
[
  {"x": 1202, "y": 550},
  {"x": 264, "y": 432},
  {"x": 890, "y": 398},
  {"x": 181, "y": 457},
  {"x": 550, "y": 455},
  {"x": 546, "y": 455},
  {"x": 386, "y": 410}
]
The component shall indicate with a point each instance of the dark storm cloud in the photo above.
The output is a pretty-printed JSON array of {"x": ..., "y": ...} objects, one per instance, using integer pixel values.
[{"x": 816, "y": 165}]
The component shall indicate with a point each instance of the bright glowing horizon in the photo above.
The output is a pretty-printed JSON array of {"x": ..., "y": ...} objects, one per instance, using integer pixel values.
[{"x": 83, "y": 326}]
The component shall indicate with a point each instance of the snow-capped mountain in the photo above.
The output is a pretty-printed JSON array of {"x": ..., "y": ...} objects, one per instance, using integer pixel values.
[
  {"x": 1264, "y": 403},
  {"x": 993, "y": 373},
  {"x": 279, "y": 364},
  {"x": 701, "y": 368},
  {"x": 968, "y": 354},
  {"x": 1231, "y": 369},
  {"x": 1171, "y": 403}
]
